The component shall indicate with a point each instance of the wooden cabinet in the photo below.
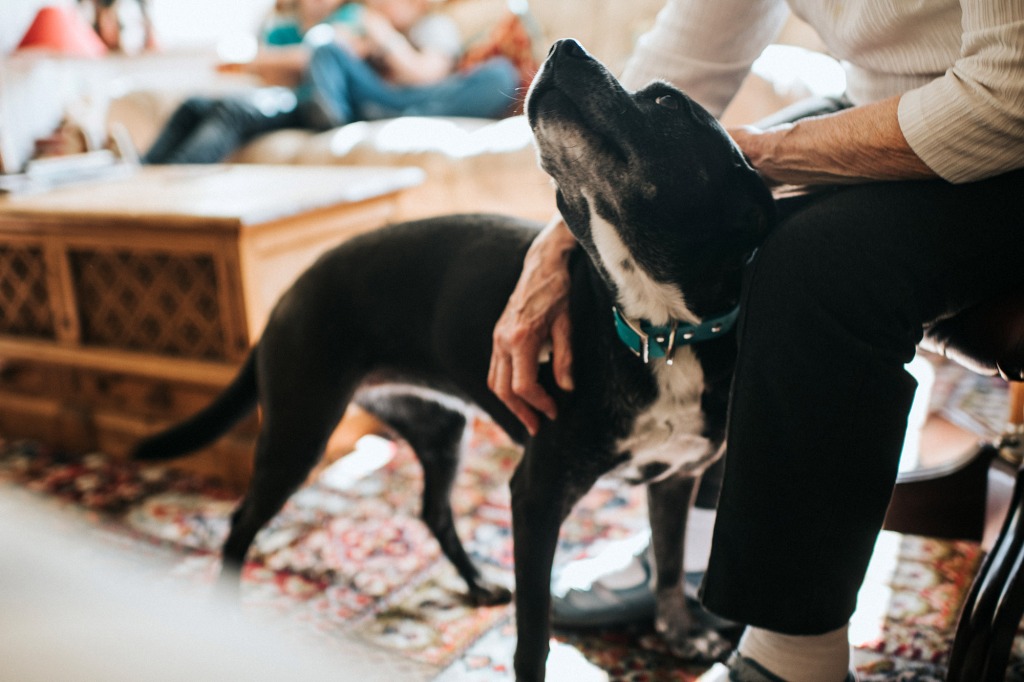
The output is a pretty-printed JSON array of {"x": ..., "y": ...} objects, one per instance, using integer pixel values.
[{"x": 126, "y": 304}]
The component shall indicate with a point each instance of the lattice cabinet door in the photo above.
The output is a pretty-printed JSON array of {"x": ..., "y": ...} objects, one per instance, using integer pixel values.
[
  {"x": 26, "y": 297},
  {"x": 172, "y": 298},
  {"x": 157, "y": 302}
]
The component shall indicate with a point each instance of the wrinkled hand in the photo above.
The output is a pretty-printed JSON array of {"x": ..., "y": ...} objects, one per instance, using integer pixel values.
[
  {"x": 864, "y": 143},
  {"x": 753, "y": 142},
  {"x": 537, "y": 314}
]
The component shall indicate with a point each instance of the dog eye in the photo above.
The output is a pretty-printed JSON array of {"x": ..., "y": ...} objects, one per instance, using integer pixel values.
[{"x": 667, "y": 101}]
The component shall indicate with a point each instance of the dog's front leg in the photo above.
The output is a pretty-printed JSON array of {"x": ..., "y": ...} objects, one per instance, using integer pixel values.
[
  {"x": 544, "y": 490},
  {"x": 669, "y": 503},
  {"x": 668, "y": 506}
]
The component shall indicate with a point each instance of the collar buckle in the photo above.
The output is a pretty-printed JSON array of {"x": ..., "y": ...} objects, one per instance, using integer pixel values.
[
  {"x": 644, "y": 339},
  {"x": 637, "y": 334}
]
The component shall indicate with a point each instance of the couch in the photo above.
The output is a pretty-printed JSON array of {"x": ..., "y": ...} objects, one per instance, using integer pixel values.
[{"x": 470, "y": 164}]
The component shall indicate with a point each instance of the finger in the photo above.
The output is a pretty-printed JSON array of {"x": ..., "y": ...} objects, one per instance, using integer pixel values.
[
  {"x": 525, "y": 414},
  {"x": 500, "y": 360},
  {"x": 500, "y": 383},
  {"x": 526, "y": 386},
  {"x": 561, "y": 351},
  {"x": 492, "y": 370}
]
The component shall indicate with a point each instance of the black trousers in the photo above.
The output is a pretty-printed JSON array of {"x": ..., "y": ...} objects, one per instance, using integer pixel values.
[{"x": 835, "y": 303}]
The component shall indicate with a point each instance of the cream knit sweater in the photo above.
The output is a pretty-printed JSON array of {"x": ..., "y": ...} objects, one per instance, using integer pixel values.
[{"x": 958, "y": 66}]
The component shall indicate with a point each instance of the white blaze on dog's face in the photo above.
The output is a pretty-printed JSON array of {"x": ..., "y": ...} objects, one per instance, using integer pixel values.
[
  {"x": 650, "y": 184},
  {"x": 639, "y": 295}
]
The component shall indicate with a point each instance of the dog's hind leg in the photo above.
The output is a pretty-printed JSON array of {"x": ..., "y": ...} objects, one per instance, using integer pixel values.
[
  {"x": 669, "y": 502},
  {"x": 433, "y": 428},
  {"x": 291, "y": 441}
]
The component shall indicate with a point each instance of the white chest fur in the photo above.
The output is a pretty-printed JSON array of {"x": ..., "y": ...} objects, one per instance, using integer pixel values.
[{"x": 669, "y": 430}]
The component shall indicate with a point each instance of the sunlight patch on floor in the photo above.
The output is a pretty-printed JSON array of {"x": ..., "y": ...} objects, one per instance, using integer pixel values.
[
  {"x": 567, "y": 663},
  {"x": 371, "y": 453},
  {"x": 613, "y": 564}
]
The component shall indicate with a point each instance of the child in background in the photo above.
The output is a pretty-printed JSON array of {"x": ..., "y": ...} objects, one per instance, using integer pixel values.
[
  {"x": 327, "y": 64},
  {"x": 401, "y": 62},
  {"x": 208, "y": 129}
]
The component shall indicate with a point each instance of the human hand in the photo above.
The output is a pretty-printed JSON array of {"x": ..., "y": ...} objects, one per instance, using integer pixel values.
[
  {"x": 753, "y": 142},
  {"x": 231, "y": 67},
  {"x": 355, "y": 40},
  {"x": 861, "y": 144},
  {"x": 537, "y": 313},
  {"x": 380, "y": 33}
]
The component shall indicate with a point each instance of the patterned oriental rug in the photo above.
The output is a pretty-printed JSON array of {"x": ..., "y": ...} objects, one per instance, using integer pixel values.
[{"x": 349, "y": 558}]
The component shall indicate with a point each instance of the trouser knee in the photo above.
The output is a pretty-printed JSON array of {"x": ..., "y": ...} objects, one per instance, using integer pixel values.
[{"x": 807, "y": 275}]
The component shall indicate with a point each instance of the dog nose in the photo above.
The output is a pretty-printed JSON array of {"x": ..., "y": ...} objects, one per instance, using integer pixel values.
[{"x": 569, "y": 48}]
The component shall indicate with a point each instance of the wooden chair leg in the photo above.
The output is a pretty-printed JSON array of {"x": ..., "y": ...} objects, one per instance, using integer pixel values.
[
  {"x": 1008, "y": 614},
  {"x": 978, "y": 644},
  {"x": 994, "y": 606}
]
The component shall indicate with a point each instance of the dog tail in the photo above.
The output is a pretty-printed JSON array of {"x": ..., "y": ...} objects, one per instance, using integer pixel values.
[{"x": 234, "y": 402}]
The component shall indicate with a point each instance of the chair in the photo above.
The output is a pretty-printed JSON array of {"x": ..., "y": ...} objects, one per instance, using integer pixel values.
[{"x": 950, "y": 501}]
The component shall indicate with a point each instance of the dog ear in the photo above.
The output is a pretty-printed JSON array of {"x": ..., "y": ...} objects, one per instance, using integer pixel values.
[{"x": 753, "y": 210}]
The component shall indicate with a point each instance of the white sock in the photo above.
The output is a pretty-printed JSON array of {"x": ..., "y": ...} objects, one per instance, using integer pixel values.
[
  {"x": 799, "y": 658},
  {"x": 700, "y": 523}
]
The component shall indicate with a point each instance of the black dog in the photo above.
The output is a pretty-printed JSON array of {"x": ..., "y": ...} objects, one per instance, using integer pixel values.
[{"x": 668, "y": 213}]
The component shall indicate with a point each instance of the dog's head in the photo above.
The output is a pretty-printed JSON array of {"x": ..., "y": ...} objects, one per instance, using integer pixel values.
[{"x": 650, "y": 183}]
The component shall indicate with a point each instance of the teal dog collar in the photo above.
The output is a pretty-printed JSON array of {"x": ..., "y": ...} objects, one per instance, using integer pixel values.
[{"x": 649, "y": 341}]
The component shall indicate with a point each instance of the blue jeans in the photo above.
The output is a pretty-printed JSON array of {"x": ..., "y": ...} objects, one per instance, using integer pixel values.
[
  {"x": 207, "y": 130},
  {"x": 342, "y": 88}
]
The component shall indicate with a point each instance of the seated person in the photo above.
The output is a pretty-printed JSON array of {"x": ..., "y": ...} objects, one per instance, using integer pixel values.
[
  {"x": 208, "y": 129},
  {"x": 913, "y": 220},
  {"x": 390, "y": 58},
  {"x": 401, "y": 63}
]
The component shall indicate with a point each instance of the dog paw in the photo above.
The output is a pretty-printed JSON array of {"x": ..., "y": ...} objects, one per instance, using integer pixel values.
[
  {"x": 700, "y": 646},
  {"x": 683, "y": 628},
  {"x": 489, "y": 594}
]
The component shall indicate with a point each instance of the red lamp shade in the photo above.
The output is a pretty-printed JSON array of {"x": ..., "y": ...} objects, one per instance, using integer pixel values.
[{"x": 62, "y": 30}]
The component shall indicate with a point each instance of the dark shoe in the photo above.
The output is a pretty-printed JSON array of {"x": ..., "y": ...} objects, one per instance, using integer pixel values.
[
  {"x": 742, "y": 669},
  {"x": 600, "y": 606}
]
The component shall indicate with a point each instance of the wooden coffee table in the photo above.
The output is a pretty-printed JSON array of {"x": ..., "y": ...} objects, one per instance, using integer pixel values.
[{"x": 128, "y": 303}]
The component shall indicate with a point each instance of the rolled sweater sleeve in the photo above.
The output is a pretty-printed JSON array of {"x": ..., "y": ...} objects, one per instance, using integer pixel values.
[
  {"x": 969, "y": 123},
  {"x": 705, "y": 47}
]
